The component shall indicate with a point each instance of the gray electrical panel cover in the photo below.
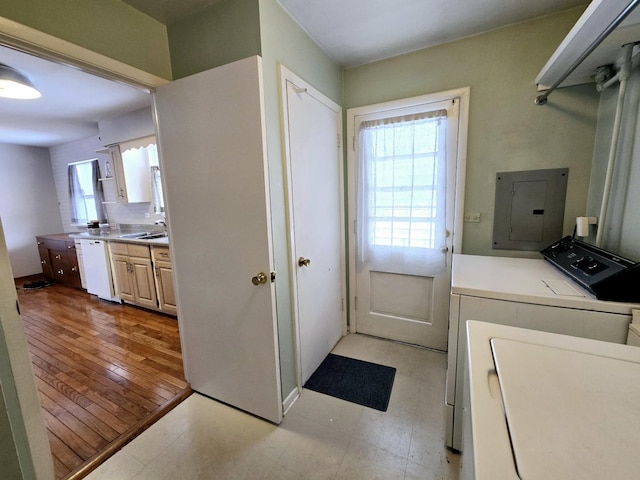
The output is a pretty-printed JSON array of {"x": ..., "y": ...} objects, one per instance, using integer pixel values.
[{"x": 529, "y": 209}]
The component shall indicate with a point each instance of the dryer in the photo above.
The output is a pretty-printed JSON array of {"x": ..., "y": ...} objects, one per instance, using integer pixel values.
[{"x": 520, "y": 292}]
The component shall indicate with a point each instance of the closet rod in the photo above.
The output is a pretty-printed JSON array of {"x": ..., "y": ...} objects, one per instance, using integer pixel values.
[{"x": 542, "y": 99}]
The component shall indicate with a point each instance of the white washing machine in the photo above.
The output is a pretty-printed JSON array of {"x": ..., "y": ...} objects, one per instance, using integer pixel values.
[
  {"x": 545, "y": 406},
  {"x": 633, "y": 338},
  {"x": 526, "y": 293}
]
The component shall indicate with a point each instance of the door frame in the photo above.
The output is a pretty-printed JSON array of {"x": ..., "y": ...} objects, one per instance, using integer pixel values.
[
  {"x": 37, "y": 462},
  {"x": 287, "y": 75},
  {"x": 463, "y": 95}
]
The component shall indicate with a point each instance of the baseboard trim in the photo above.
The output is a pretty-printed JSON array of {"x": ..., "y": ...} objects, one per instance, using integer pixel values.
[{"x": 290, "y": 400}]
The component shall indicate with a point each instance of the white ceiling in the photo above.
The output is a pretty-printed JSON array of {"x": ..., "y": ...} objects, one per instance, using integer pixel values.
[
  {"x": 351, "y": 32},
  {"x": 70, "y": 107}
]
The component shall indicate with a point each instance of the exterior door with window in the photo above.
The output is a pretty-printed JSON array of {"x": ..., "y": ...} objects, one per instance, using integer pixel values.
[{"x": 405, "y": 165}]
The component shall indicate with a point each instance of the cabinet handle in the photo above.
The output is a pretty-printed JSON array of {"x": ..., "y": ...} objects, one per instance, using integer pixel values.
[
  {"x": 43, "y": 262},
  {"x": 39, "y": 243},
  {"x": 69, "y": 246},
  {"x": 58, "y": 257},
  {"x": 61, "y": 272},
  {"x": 73, "y": 269}
]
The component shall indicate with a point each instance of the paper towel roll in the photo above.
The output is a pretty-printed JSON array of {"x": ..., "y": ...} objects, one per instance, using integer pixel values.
[{"x": 582, "y": 226}]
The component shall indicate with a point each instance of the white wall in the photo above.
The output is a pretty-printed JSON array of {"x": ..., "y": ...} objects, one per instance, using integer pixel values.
[{"x": 28, "y": 204}]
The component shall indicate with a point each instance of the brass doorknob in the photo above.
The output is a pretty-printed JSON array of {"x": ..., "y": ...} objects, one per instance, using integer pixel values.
[
  {"x": 303, "y": 262},
  {"x": 259, "y": 279}
]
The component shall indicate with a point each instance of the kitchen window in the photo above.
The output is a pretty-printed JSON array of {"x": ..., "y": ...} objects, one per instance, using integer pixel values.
[{"x": 85, "y": 193}]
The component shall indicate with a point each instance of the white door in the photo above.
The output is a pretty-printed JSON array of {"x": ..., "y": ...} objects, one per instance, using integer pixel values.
[
  {"x": 312, "y": 130},
  {"x": 213, "y": 160},
  {"x": 405, "y": 156}
]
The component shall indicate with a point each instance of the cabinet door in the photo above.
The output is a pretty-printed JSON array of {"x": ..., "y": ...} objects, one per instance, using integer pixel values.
[
  {"x": 59, "y": 265},
  {"x": 45, "y": 261},
  {"x": 73, "y": 268},
  {"x": 166, "y": 292},
  {"x": 143, "y": 281},
  {"x": 122, "y": 277}
]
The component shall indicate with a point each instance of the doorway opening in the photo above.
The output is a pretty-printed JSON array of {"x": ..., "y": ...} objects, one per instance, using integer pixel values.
[{"x": 92, "y": 409}]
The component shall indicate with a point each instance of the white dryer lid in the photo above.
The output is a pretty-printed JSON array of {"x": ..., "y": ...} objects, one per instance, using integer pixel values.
[{"x": 570, "y": 414}]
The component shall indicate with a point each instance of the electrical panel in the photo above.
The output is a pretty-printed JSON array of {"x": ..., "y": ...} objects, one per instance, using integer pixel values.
[{"x": 529, "y": 208}]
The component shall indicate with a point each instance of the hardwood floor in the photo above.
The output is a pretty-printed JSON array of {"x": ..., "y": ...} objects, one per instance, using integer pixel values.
[{"x": 104, "y": 371}]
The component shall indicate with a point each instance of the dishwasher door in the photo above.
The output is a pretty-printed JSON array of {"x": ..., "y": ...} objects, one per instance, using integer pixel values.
[{"x": 97, "y": 269}]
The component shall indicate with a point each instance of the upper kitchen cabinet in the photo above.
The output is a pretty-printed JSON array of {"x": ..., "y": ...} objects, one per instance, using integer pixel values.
[
  {"x": 135, "y": 169},
  {"x": 130, "y": 140}
]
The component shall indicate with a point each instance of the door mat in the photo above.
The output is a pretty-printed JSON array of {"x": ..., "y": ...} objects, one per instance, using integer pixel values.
[{"x": 355, "y": 381}]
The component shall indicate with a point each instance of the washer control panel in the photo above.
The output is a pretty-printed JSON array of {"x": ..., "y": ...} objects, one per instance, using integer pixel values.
[{"x": 602, "y": 273}]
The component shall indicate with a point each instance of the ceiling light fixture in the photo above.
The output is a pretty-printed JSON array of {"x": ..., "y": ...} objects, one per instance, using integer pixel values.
[{"x": 14, "y": 84}]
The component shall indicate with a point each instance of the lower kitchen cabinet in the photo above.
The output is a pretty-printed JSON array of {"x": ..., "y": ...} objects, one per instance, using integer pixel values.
[
  {"x": 164, "y": 279},
  {"x": 59, "y": 260},
  {"x": 133, "y": 273}
]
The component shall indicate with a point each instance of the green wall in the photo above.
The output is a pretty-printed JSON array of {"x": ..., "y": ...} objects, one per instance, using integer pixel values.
[
  {"x": 227, "y": 31},
  {"x": 283, "y": 41},
  {"x": 507, "y": 131},
  {"x": 109, "y": 27}
]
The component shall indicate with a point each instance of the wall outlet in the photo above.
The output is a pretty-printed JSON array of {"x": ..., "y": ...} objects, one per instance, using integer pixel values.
[{"x": 472, "y": 217}]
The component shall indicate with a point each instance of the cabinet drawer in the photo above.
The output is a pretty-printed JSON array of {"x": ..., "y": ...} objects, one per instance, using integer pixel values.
[
  {"x": 118, "y": 248},
  {"x": 141, "y": 251},
  {"x": 161, "y": 253},
  {"x": 55, "y": 244},
  {"x": 130, "y": 249}
]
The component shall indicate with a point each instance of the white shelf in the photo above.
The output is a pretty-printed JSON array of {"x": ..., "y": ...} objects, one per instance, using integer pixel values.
[{"x": 596, "y": 18}]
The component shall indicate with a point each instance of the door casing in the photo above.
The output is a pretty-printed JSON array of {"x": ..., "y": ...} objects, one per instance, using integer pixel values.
[
  {"x": 287, "y": 76},
  {"x": 461, "y": 160}
]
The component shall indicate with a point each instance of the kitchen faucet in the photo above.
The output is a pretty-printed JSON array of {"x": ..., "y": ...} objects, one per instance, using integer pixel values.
[{"x": 163, "y": 223}]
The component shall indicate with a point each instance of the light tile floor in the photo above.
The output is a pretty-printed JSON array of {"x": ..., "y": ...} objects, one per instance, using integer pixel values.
[{"x": 320, "y": 438}]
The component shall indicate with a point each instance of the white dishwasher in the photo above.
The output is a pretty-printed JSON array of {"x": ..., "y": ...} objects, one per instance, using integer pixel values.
[{"x": 97, "y": 269}]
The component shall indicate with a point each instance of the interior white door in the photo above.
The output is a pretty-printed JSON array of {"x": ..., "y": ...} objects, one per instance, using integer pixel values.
[
  {"x": 212, "y": 154},
  {"x": 313, "y": 126},
  {"x": 396, "y": 304}
]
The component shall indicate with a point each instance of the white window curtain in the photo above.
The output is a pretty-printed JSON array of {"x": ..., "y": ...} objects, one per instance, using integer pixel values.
[
  {"x": 402, "y": 194},
  {"x": 85, "y": 193}
]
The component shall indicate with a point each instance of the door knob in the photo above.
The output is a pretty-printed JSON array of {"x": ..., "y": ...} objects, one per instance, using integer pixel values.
[
  {"x": 444, "y": 249},
  {"x": 304, "y": 262},
  {"x": 259, "y": 279}
]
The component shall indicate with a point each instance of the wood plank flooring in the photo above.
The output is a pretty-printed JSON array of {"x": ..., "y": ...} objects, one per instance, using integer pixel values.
[{"x": 104, "y": 372}]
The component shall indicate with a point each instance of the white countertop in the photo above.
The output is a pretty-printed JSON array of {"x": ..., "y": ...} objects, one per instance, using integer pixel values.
[
  {"x": 524, "y": 280},
  {"x": 117, "y": 237}
]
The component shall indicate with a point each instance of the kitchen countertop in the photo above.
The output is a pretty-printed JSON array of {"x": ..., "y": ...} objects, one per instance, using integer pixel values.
[{"x": 117, "y": 237}]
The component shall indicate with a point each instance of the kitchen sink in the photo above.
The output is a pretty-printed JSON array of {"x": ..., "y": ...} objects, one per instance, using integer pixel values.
[
  {"x": 134, "y": 235},
  {"x": 151, "y": 236}
]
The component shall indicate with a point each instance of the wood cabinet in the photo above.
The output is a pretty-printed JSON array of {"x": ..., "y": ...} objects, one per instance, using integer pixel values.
[
  {"x": 133, "y": 273},
  {"x": 59, "y": 260},
  {"x": 164, "y": 279}
]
